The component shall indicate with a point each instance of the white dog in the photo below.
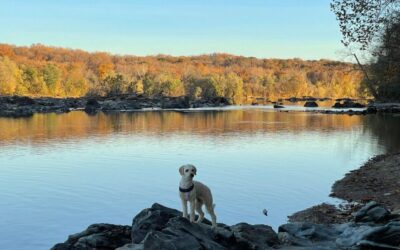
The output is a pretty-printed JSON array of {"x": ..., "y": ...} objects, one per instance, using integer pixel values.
[{"x": 197, "y": 194}]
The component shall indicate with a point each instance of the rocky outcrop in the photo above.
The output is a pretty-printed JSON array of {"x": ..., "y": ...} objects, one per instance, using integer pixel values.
[
  {"x": 17, "y": 106},
  {"x": 97, "y": 236},
  {"x": 347, "y": 103},
  {"x": 305, "y": 99},
  {"x": 372, "y": 227},
  {"x": 160, "y": 227}
]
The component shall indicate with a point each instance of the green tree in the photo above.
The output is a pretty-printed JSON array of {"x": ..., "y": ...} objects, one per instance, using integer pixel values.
[
  {"x": 234, "y": 88},
  {"x": 34, "y": 81},
  {"x": 52, "y": 77},
  {"x": 115, "y": 85}
]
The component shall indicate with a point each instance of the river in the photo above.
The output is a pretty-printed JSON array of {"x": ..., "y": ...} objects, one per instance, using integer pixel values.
[{"x": 59, "y": 173}]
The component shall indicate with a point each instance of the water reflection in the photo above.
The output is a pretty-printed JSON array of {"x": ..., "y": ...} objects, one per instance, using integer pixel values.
[
  {"x": 386, "y": 129},
  {"x": 76, "y": 125}
]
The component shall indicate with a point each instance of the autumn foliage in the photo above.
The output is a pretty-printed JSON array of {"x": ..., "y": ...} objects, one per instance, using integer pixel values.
[{"x": 49, "y": 71}]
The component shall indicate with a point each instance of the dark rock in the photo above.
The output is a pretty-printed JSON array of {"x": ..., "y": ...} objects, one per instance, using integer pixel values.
[
  {"x": 337, "y": 105},
  {"x": 159, "y": 240},
  {"x": 221, "y": 101},
  {"x": 21, "y": 100},
  {"x": 310, "y": 104},
  {"x": 255, "y": 236},
  {"x": 92, "y": 106},
  {"x": 310, "y": 231},
  {"x": 372, "y": 212},
  {"x": 348, "y": 104},
  {"x": 131, "y": 246},
  {"x": 92, "y": 102},
  {"x": 164, "y": 227},
  {"x": 154, "y": 218},
  {"x": 277, "y": 106},
  {"x": 183, "y": 228},
  {"x": 388, "y": 235},
  {"x": 16, "y": 112},
  {"x": 176, "y": 103},
  {"x": 97, "y": 236},
  {"x": 369, "y": 236},
  {"x": 371, "y": 110}
]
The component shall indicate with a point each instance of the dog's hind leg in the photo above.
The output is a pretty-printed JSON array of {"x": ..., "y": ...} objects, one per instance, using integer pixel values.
[
  {"x": 199, "y": 204},
  {"x": 210, "y": 210}
]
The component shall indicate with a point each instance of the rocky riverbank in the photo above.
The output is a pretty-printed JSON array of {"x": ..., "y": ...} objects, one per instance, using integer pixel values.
[
  {"x": 378, "y": 180},
  {"x": 159, "y": 227},
  {"x": 362, "y": 223},
  {"x": 20, "y": 106}
]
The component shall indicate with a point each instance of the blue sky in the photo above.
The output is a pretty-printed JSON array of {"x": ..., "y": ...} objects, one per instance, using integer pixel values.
[{"x": 260, "y": 28}]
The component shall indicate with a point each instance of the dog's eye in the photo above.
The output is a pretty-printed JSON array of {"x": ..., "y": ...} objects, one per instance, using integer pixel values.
[{"x": 187, "y": 170}]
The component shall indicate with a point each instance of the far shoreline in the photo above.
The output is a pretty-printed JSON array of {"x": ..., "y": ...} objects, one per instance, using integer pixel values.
[{"x": 23, "y": 106}]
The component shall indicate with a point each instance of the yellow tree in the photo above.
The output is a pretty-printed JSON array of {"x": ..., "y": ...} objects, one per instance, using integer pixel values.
[{"x": 10, "y": 76}]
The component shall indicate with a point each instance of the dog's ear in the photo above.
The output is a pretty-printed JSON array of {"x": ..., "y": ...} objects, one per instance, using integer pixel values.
[
  {"x": 181, "y": 170},
  {"x": 195, "y": 170}
]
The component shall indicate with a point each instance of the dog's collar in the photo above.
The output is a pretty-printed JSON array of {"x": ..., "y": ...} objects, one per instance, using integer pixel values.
[{"x": 186, "y": 190}]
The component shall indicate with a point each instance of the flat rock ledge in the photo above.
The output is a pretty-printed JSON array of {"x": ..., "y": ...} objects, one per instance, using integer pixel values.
[{"x": 159, "y": 227}]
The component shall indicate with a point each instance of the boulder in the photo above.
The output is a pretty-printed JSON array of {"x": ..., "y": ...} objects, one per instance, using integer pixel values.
[
  {"x": 92, "y": 106},
  {"x": 255, "y": 236},
  {"x": 388, "y": 235},
  {"x": 97, "y": 236},
  {"x": 310, "y": 104},
  {"x": 348, "y": 104},
  {"x": 154, "y": 218},
  {"x": 372, "y": 212}
]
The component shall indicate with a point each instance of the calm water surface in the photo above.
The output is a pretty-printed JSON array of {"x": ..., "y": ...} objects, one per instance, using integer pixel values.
[{"x": 61, "y": 173}]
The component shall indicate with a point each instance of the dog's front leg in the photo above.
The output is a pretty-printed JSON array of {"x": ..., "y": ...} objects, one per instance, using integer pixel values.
[
  {"x": 185, "y": 209},
  {"x": 192, "y": 205}
]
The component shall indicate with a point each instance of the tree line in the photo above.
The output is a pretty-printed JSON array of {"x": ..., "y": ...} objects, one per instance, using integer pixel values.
[{"x": 40, "y": 70}]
